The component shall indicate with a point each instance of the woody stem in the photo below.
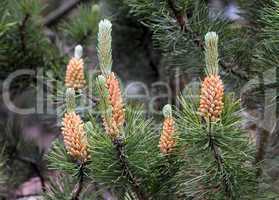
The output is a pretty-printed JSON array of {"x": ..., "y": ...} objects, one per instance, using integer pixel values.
[{"x": 120, "y": 147}]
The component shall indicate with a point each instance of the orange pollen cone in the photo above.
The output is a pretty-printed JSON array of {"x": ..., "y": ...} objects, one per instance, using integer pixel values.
[
  {"x": 75, "y": 137},
  {"x": 167, "y": 140},
  {"x": 115, "y": 100},
  {"x": 75, "y": 74},
  {"x": 211, "y": 97}
]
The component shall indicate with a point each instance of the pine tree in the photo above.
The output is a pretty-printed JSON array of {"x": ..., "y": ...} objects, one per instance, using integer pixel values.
[
  {"x": 201, "y": 153},
  {"x": 178, "y": 28}
]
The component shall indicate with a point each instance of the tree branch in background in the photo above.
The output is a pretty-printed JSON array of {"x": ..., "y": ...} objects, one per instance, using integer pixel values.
[
  {"x": 183, "y": 22},
  {"x": 36, "y": 169},
  {"x": 22, "y": 27},
  {"x": 181, "y": 19},
  {"x": 59, "y": 13},
  {"x": 262, "y": 133}
]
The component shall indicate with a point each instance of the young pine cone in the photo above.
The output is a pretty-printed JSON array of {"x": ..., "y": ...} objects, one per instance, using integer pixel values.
[
  {"x": 75, "y": 137},
  {"x": 167, "y": 140},
  {"x": 111, "y": 128},
  {"x": 115, "y": 101},
  {"x": 211, "y": 98},
  {"x": 74, "y": 74}
]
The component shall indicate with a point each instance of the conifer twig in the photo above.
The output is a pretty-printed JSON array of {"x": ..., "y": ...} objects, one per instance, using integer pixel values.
[
  {"x": 181, "y": 19},
  {"x": 22, "y": 27},
  {"x": 59, "y": 13},
  {"x": 183, "y": 22},
  {"x": 79, "y": 186},
  {"x": 118, "y": 142},
  {"x": 35, "y": 167},
  {"x": 219, "y": 159},
  {"x": 262, "y": 133}
]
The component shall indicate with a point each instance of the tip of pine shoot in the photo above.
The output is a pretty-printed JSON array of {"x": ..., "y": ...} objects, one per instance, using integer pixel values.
[
  {"x": 167, "y": 110},
  {"x": 105, "y": 24},
  {"x": 211, "y": 53},
  {"x": 78, "y": 51},
  {"x": 211, "y": 37}
]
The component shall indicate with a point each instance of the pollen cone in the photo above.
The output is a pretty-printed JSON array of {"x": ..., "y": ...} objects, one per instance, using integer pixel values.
[
  {"x": 117, "y": 118},
  {"x": 167, "y": 141},
  {"x": 211, "y": 98},
  {"x": 75, "y": 137},
  {"x": 75, "y": 74}
]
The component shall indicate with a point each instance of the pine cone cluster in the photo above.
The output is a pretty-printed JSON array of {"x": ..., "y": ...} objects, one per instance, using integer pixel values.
[
  {"x": 211, "y": 98},
  {"x": 115, "y": 100},
  {"x": 75, "y": 74},
  {"x": 75, "y": 137},
  {"x": 167, "y": 140}
]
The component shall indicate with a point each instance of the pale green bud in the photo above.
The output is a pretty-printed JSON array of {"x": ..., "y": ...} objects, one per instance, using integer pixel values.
[
  {"x": 78, "y": 51},
  {"x": 167, "y": 110}
]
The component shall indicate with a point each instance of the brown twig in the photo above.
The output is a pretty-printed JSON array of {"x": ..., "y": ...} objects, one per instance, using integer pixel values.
[
  {"x": 54, "y": 17},
  {"x": 262, "y": 133},
  {"x": 77, "y": 192},
  {"x": 35, "y": 167},
  {"x": 118, "y": 142},
  {"x": 22, "y": 27},
  {"x": 147, "y": 45},
  {"x": 237, "y": 72},
  {"x": 219, "y": 160},
  {"x": 181, "y": 19}
]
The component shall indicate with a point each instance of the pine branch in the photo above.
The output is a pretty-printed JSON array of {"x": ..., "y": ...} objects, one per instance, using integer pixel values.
[
  {"x": 76, "y": 194},
  {"x": 148, "y": 52},
  {"x": 54, "y": 17},
  {"x": 182, "y": 20},
  {"x": 22, "y": 28},
  {"x": 261, "y": 149},
  {"x": 263, "y": 134},
  {"x": 220, "y": 162},
  {"x": 118, "y": 142},
  {"x": 35, "y": 168},
  {"x": 229, "y": 68},
  {"x": 93, "y": 98}
]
